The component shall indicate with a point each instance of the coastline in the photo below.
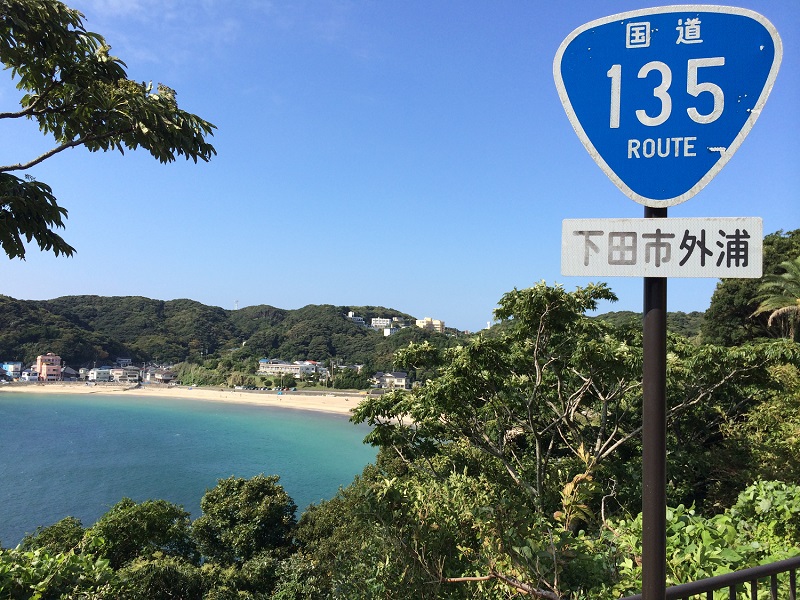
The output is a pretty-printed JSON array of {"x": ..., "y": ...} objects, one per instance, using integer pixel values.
[{"x": 332, "y": 402}]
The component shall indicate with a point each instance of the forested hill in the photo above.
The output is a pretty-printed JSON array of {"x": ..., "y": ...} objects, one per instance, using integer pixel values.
[
  {"x": 85, "y": 330},
  {"x": 91, "y": 329},
  {"x": 686, "y": 324}
]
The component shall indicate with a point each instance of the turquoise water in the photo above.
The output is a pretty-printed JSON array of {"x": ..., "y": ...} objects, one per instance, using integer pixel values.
[{"x": 78, "y": 455}]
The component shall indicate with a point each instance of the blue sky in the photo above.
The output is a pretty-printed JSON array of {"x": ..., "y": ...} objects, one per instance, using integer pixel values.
[{"x": 413, "y": 155}]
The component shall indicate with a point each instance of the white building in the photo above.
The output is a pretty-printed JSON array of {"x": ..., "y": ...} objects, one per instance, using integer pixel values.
[
  {"x": 351, "y": 316},
  {"x": 397, "y": 380},
  {"x": 298, "y": 369},
  {"x": 29, "y": 375},
  {"x": 129, "y": 374},
  {"x": 101, "y": 374}
]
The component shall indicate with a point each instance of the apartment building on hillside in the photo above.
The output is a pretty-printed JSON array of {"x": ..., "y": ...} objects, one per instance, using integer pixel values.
[{"x": 431, "y": 324}]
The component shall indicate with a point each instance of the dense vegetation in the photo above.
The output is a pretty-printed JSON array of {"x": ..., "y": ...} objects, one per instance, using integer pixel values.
[
  {"x": 729, "y": 319},
  {"x": 87, "y": 330},
  {"x": 685, "y": 324},
  {"x": 513, "y": 471}
]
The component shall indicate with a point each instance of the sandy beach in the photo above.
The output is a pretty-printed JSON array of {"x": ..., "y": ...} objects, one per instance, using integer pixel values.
[{"x": 332, "y": 402}]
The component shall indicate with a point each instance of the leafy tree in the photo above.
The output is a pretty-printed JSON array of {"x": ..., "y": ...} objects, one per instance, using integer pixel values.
[
  {"x": 780, "y": 297},
  {"x": 525, "y": 442},
  {"x": 729, "y": 319},
  {"x": 685, "y": 324},
  {"x": 60, "y": 537},
  {"x": 243, "y": 518},
  {"x": 761, "y": 442},
  {"x": 80, "y": 95},
  {"x": 761, "y": 527},
  {"x": 39, "y": 574},
  {"x": 191, "y": 374},
  {"x": 350, "y": 379},
  {"x": 129, "y": 531},
  {"x": 162, "y": 578}
]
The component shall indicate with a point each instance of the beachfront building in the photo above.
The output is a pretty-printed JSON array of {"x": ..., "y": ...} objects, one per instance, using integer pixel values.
[
  {"x": 68, "y": 374},
  {"x": 13, "y": 369},
  {"x": 299, "y": 369},
  {"x": 29, "y": 375},
  {"x": 129, "y": 374},
  {"x": 48, "y": 366},
  {"x": 398, "y": 380},
  {"x": 100, "y": 374},
  {"x": 164, "y": 376},
  {"x": 431, "y": 324}
]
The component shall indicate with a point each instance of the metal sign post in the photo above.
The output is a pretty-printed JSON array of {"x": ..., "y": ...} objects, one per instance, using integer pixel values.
[
  {"x": 654, "y": 432},
  {"x": 661, "y": 98}
]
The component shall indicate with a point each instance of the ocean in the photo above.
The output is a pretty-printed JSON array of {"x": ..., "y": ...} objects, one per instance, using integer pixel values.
[{"x": 77, "y": 455}]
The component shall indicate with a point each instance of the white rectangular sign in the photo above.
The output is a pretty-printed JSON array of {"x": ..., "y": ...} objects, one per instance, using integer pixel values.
[{"x": 698, "y": 247}]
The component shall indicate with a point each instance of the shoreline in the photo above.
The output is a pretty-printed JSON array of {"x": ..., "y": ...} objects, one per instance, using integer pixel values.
[{"x": 337, "y": 403}]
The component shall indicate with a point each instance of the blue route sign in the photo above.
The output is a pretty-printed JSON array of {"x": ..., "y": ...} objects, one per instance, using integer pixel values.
[{"x": 662, "y": 97}]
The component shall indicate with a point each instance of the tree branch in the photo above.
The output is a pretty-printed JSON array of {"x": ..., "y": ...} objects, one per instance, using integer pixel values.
[
  {"x": 61, "y": 148},
  {"x": 511, "y": 581}
]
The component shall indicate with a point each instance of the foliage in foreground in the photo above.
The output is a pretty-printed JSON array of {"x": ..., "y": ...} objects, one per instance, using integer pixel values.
[
  {"x": 514, "y": 458},
  {"x": 79, "y": 94},
  {"x": 344, "y": 548}
]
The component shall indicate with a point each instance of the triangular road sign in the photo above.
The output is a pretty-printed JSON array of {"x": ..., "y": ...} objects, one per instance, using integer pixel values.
[{"x": 662, "y": 97}]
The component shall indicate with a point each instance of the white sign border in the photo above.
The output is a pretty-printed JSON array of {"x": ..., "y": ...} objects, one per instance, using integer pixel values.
[
  {"x": 571, "y": 248},
  {"x": 725, "y": 155}
]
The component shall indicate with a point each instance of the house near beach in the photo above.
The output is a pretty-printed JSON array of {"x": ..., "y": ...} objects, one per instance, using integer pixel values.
[
  {"x": 127, "y": 374},
  {"x": 299, "y": 369},
  {"x": 397, "y": 380},
  {"x": 164, "y": 376},
  {"x": 69, "y": 374},
  {"x": 100, "y": 374},
  {"x": 48, "y": 366},
  {"x": 13, "y": 370},
  {"x": 29, "y": 375}
]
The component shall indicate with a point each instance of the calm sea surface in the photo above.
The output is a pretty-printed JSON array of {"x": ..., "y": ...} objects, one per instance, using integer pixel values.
[{"x": 78, "y": 455}]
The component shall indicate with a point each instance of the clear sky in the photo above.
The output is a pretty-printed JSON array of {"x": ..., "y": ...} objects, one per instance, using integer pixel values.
[{"x": 413, "y": 155}]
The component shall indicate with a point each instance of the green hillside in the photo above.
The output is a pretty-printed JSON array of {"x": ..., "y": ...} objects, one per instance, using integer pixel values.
[
  {"x": 85, "y": 330},
  {"x": 685, "y": 324}
]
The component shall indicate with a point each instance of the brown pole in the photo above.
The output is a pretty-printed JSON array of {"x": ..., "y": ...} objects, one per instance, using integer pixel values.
[{"x": 654, "y": 433}]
